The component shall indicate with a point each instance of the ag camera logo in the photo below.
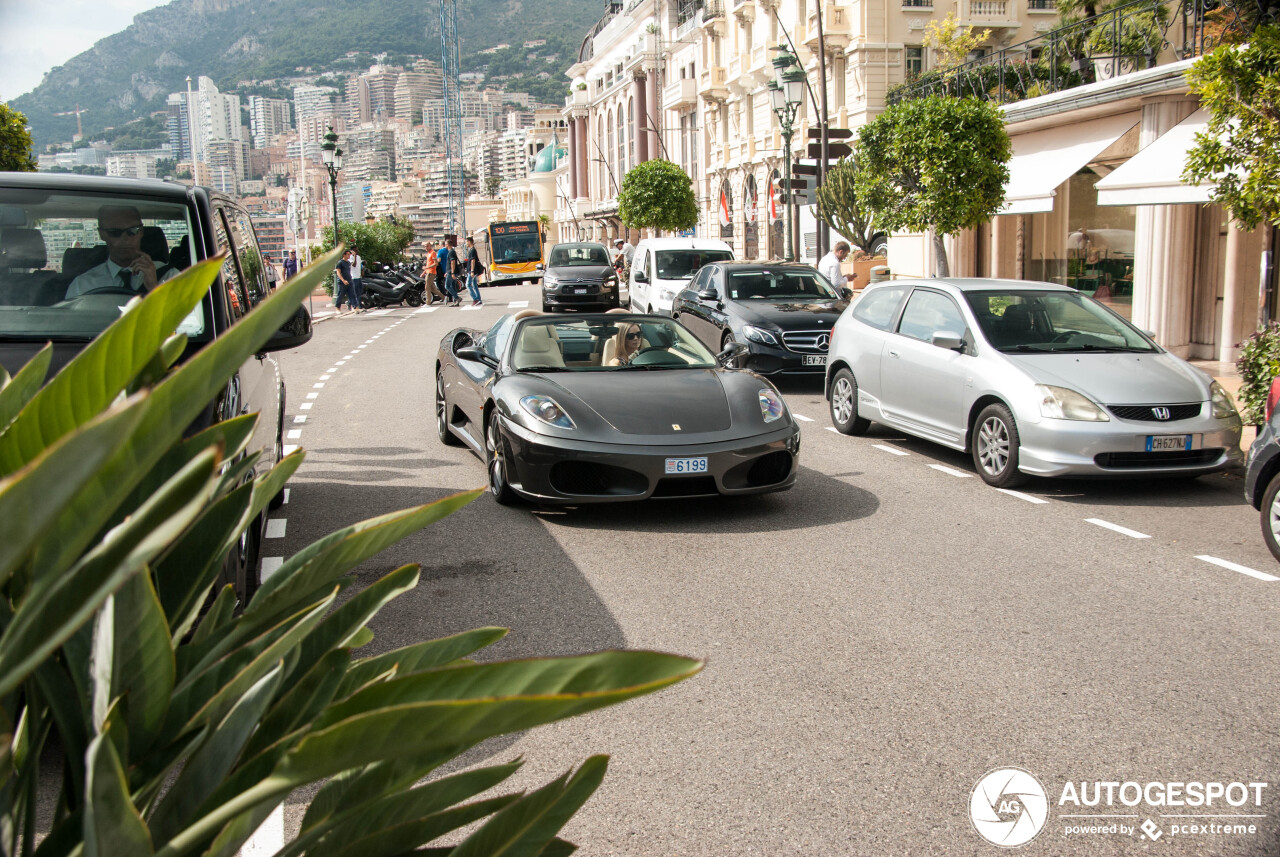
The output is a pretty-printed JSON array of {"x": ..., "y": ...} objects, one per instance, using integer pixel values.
[{"x": 1008, "y": 807}]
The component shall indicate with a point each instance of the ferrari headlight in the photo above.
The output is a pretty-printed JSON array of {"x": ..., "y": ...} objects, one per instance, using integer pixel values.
[
  {"x": 548, "y": 410},
  {"x": 771, "y": 407},
  {"x": 1060, "y": 403},
  {"x": 756, "y": 334},
  {"x": 1223, "y": 407}
]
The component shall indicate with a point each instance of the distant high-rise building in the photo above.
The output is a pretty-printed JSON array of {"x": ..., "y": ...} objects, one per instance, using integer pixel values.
[
  {"x": 310, "y": 102},
  {"x": 178, "y": 122},
  {"x": 268, "y": 117},
  {"x": 413, "y": 90}
]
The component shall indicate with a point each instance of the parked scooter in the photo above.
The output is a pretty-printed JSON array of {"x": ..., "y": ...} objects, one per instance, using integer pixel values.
[{"x": 391, "y": 287}]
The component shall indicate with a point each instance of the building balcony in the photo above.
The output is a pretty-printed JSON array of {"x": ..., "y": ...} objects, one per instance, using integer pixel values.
[
  {"x": 681, "y": 94},
  {"x": 989, "y": 13},
  {"x": 744, "y": 10},
  {"x": 836, "y": 31},
  {"x": 715, "y": 83}
]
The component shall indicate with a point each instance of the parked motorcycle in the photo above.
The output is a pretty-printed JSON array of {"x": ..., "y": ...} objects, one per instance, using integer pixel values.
[{"x": 391, "y": 287}]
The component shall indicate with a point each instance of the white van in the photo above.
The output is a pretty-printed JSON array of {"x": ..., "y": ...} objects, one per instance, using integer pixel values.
[{"x": 662, "y": 267}]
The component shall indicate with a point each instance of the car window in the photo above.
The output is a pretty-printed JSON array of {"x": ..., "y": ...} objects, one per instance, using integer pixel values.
[
  {"x": 642, "y": 262},
  {"x": 878, "y": 306},
  {"x": 586, "y": 345},
  {"x": 253, "y": 274},
  {"x": 1052, "y": 321},
  {"x": 564, "y": 256},
  {"x": 781, "y": 284},
  {"x": 682, "y": 264},
  {"x": 237, "y": 297},
  {"x": 60, "y": 271},
  {"x": 928, "y": 313},
  {"x": 495, "y": 341}
]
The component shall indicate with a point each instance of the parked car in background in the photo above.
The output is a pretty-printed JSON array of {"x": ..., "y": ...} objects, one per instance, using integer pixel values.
[
  {"x": 783, "y": 313},
  {"x": 579, "y": 276},
  {"x": 1030, "y": 378},
  {"x": 61, "y": 237},
  {"x": 1262, "y": 473},
  {"x": 662, "y": 267}
]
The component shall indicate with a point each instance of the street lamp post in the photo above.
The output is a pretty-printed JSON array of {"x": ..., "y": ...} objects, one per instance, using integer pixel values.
[
  {"x": 786, "y": 93},
  {"x": 331, "y": 155}
]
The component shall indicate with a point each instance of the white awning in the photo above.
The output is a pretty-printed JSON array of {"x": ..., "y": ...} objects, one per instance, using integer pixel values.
[
  {"x": 1042, "y": 160},
  {"x": 1154, "y": 175}
]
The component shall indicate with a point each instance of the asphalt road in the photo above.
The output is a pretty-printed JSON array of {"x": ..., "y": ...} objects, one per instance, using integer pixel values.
[{"x": 877, "y": 639}]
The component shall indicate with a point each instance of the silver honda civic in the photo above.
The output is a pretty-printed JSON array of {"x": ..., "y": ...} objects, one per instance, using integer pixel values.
[{"x": 1030, "y": 378}]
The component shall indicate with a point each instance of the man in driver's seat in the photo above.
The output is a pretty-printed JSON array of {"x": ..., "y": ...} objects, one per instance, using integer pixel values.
[{"x": 128, "y": 268}]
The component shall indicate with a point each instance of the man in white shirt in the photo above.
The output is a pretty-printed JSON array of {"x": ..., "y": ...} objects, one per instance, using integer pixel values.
[
  {"x": 127, "y": 268},
  {"x": 829, "y": 266}
]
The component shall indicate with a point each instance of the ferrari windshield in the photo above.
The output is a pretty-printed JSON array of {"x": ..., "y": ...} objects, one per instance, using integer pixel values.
[
  {"x": 1034, "y": 322},
  {"x": 71, "y": 261},
  {"x": 611, "y": 343}
]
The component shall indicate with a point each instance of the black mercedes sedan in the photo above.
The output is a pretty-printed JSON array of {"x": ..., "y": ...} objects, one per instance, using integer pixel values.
[
  {"x": 579, "y": 276},
  {"x": 606, "y": 407},
  {"x": 782, "y": 312}
]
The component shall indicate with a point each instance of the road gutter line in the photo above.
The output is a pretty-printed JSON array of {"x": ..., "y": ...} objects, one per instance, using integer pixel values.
[
  {"x": 889, "y": 449},
  {"x": 802, "y": 418},
  {"x": 1243, "y": 569},
  {"x": 1021, "y": 496},
  {"x": 1133, "y": 534},
  {"x": 951, "y": 471}
]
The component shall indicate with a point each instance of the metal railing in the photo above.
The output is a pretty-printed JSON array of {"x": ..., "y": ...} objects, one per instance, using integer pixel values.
[{"x": 1136, "y": 35}]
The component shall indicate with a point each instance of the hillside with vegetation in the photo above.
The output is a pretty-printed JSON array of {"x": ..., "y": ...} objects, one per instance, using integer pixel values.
[{"x": 250, "y": 46}]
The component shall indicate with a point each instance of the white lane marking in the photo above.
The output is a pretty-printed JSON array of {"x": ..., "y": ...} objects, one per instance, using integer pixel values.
[
  {"x": 1021, "y": 496},
  {"x": 951, "y": 471},
  {"x": 1133, "y": 534},
  {"x": 330, "y": 369},
  {"x": 306, "y": 406},
  {"x": 290, "y": 448},
  {"x": 301, "y": 418},
  {"x": 313, "y": 395},
  {"x": 425, "y": 309},
  {"x": 802, "y": 418},
  {"x": 889, "y": 449},
  {"x": 270, "y": 565},
  {"x": 369, "y": 341},
  {"x": 472, "y": 306},
  {"x": 276, "y": 527},
  {"x": 286, "y": 495},
  {"x": 318, "y": 385},
  {"x": 832, "y": 429},
  {"x": 294, "y": 434},
  {"x": 381, "y": 312},
  {"x": 1243, "y": 569},
  {"x": 268, "y": 839},
  {"x": 346, "y": 357},
  {"x": 327, "y": 377},
  {"x": 517, "y": 305},
  {"x": 341, "y": 363}
]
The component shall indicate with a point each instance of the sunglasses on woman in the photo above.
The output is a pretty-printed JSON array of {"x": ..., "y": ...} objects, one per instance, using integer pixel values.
[{"x": 631, "y": 336}]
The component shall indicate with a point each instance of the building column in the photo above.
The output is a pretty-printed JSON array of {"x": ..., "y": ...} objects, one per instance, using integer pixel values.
[
  {"x": 1004, "y": 247},
  {"x": 584, "y": 160},
  {"x": 655, "y": 110},
  {"x": 1231, "y": 287},
  {"x": 1164, "y": 246},
  {"x": 574, "y": 142},
  {"x": 642, "y": 119}
]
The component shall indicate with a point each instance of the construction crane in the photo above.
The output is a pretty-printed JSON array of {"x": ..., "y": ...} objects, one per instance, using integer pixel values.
[
  {"x": 76, "y": 113},
  {"x": 455, "y": 219}
]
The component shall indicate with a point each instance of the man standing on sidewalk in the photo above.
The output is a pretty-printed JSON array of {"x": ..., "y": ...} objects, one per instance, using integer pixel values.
[
  {"x": 474, "y": 270},
  {"x": 343, "y": 272},
  {"x": 449, "y": 267},
  {"x": 431, "y": 274},
  {"x": 291, "y": 265},
  {"x": 829, "y": 265},
  {"x": 357, "y": 285}
]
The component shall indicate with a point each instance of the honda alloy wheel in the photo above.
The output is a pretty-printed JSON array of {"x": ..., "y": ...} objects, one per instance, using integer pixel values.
[{"x": 995, "y": 447}]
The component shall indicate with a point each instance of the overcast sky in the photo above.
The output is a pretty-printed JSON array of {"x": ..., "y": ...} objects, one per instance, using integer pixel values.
[{"x": 41, "y": 34}]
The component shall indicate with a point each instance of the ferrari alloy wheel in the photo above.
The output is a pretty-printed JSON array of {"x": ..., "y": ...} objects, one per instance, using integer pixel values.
[
  {"x": 844, "y": 405},
  {"x": 442, "y": 412},
  {"x": 498, "y": 485},
  {"x": 995, "y": 447}
]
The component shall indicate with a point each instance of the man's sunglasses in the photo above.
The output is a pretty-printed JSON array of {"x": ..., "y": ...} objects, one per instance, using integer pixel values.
[{"x": 116, "y": 233}]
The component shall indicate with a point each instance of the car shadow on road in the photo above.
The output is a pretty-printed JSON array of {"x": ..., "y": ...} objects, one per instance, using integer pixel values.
[
  {"x": 816, "y": 500},
  {"x": 1211, "y": 490}
]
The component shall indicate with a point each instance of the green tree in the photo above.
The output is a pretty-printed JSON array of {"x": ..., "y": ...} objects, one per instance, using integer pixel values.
[
  {"x": 838, "y": 205},
  {"x": 1239, "y": 86},
  {"x": 657, "y": 195},
  {"x": 175, "y": 719},
  {"x": 491, "y": 185},
  {"x": 951, "y": 42},
  {"x": 15, "y": 142},
  {"x": 934, "y": 163},
  {"x": 379, "y": 243}
]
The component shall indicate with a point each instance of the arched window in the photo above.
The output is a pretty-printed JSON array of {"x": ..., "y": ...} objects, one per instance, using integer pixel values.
[
  {"x": 633, "y": 156},
  {"x": 621, "y": 159},
  {"x": 608, "y": 154}
]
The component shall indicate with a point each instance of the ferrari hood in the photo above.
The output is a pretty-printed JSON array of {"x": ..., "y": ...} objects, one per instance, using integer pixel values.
[{"x": 675, "y": 402}]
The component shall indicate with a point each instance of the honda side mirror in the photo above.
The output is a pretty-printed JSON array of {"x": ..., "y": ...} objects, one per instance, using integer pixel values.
[{"x": 948, "y": 340}]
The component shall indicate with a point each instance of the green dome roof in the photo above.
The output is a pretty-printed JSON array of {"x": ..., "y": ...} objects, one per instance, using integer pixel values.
[{"x": 546, "y": 160}]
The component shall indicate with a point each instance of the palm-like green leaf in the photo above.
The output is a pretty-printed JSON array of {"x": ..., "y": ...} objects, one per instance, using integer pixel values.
[
  {"x": 143, "y": 669},
  {"x": 418, "y": 657},
  {"x": 112, "y": 826},
  {"x": 15, "y": 392}
]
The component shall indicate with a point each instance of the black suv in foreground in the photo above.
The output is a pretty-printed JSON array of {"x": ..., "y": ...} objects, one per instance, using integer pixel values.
[{"x": 75, "y": 249}]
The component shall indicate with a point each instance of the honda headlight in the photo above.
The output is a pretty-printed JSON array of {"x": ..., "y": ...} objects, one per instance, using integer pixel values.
[
  {"x": 1223, "y": 407},
  {"x": 1060, "y": 403},
  {"x": 756, "y": 334},
  {"x": 548, "y": 410},
  {"x": 770, "y": 405}
]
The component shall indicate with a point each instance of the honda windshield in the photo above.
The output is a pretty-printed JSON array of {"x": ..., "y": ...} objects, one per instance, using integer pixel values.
[{"x": 1037, "y": 322}]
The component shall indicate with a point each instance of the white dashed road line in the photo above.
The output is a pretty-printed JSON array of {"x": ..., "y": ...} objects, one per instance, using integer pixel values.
[
  {"x": 313, "y": 395},
  {"x": 276, "y": 527},
  {"x": 951, "y": 471},
  {"x": 517, "y": 305},
  {"x": 268, "y": 839},
  {"x": 1021, "y": 496},
  {"x": 832, "y": 429},
  {"x": 270, "y": 565},
  {"x": 380, "y": 312},
  {"x": 425, "y": 309},
  {"x": 1243, "y": 569},
  {"x": 286, "y": 495},
  {"x": 802, "y": 418},
  {"x": 319, "y": 385},
  {"x": 290, "y": 448},
  {"x": 889, "y": 449},
  {"x": 306, "y": 406},
  {"x": 1133, "y": 534},
  {"x": 294, "y": 434},
  {"x": 471, "y": 307}
]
